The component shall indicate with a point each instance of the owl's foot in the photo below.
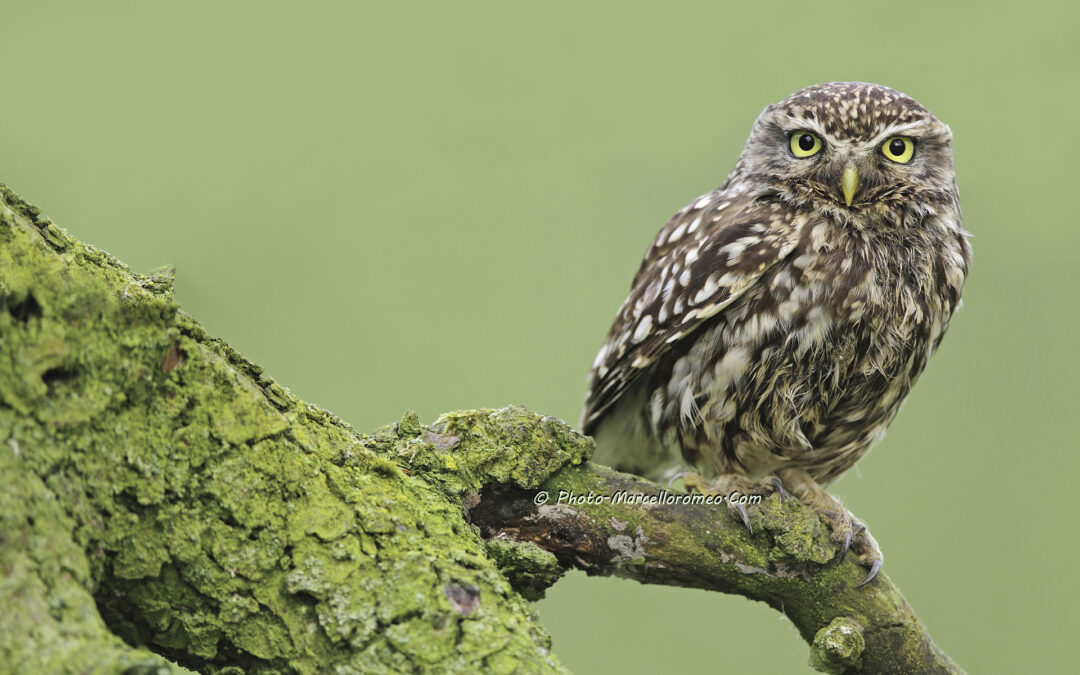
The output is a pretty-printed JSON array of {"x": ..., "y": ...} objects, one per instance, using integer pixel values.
[
  {"x": 847, "y": 530},
  {"x": 734, "y": 487}
]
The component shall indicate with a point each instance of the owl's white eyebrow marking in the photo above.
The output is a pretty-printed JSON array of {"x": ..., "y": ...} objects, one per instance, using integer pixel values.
[
  {"x": 909, "y": 129},
  {"x": 792, "y": 124},
  {"x": 916, "y": 128}
]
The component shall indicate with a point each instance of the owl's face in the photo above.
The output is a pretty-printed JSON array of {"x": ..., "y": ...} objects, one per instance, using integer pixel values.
[{"x": 852, "y": 150}]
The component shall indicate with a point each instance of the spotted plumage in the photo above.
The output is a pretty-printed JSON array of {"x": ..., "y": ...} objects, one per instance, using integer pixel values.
[{"x": 777, "y": 323}]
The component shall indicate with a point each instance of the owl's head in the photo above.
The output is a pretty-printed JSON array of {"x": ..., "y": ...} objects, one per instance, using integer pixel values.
[{"x": 852, "y": 150}]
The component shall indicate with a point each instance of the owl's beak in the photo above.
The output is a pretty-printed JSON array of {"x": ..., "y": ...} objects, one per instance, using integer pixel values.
[{"x": 849, "y": 182}]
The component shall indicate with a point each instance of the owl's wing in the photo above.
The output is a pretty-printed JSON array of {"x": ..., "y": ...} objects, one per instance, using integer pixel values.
[{"x": 702, "y": 260}]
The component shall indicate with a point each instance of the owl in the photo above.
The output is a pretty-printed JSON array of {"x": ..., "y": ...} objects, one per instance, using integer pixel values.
[{"x": 777, "y": 323}]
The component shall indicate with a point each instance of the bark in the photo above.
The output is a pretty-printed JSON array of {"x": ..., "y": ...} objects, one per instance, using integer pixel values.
[
  {"x": 610, "y": 523},
  {"x": 166, "y": 505}
]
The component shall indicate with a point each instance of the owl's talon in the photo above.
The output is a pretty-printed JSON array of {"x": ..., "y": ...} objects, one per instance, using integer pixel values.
[
  {"x": 869, "y": 552},
  {"x": 698, "y": 483},
  {"x": 852, "y": 535},
  {"x": 848, "y": 532},
  {"x": 727, "y": 484},
  {"x": 778, "y": 485},
  {"x": 745, "y": 515},
  {"x": 875, "y": 567},
  {"x": 678, "y": 476}
]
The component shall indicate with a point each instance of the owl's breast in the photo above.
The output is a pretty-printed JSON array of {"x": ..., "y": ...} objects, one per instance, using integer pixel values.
[
  {"x": 814, "y": 363},
  {"x": 811, "y": 364},
  {"x": 896, "y": 283},
  {"x": 862, "y": 314}
]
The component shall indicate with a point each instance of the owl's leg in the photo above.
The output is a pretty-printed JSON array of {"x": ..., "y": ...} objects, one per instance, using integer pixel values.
[
  {"x": 846, "y": 529},
  {"x": 726, "y": 484}
]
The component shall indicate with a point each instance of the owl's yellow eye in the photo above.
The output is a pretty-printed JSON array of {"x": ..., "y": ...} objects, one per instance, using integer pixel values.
[
  {"x": 805, "y": 144},
  {"x": 899, "y": 149}
]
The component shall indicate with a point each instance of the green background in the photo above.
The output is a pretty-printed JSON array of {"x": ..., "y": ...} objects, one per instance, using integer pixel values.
[{"x": 440, "y": 206}]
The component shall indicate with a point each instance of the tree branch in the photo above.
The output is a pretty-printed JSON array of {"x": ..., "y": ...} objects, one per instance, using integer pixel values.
[
  {"x": 625, "y": 526},
  {"x": 160, "y": 488}
]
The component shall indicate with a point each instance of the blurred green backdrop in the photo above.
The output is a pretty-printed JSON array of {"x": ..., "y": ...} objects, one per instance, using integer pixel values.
[{"x": 440, "y": 206}]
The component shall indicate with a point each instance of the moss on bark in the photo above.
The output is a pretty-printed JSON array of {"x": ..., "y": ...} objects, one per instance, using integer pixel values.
[{"x": 161, "y": 488}]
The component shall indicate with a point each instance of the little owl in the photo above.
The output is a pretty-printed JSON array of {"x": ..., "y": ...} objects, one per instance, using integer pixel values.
[{"x": 777, "y": 323}]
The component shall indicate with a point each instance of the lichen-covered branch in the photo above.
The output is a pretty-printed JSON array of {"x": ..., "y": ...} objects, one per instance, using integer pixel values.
[
  {"x": 166, "y": 505},
  {"x": 606, "y": 522},
  {"x": 159, "y": 488}
]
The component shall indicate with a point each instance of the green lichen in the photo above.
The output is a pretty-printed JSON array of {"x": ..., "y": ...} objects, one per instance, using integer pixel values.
[
  {"x": 799, "y": 534},
  {"x": 50, "y": 623},
  {"x": 183, "y": 500},
  {"x": 529, "y": 568},
  {"x": 462, "y": 452},
  {"x": 838, "y": 647}
]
